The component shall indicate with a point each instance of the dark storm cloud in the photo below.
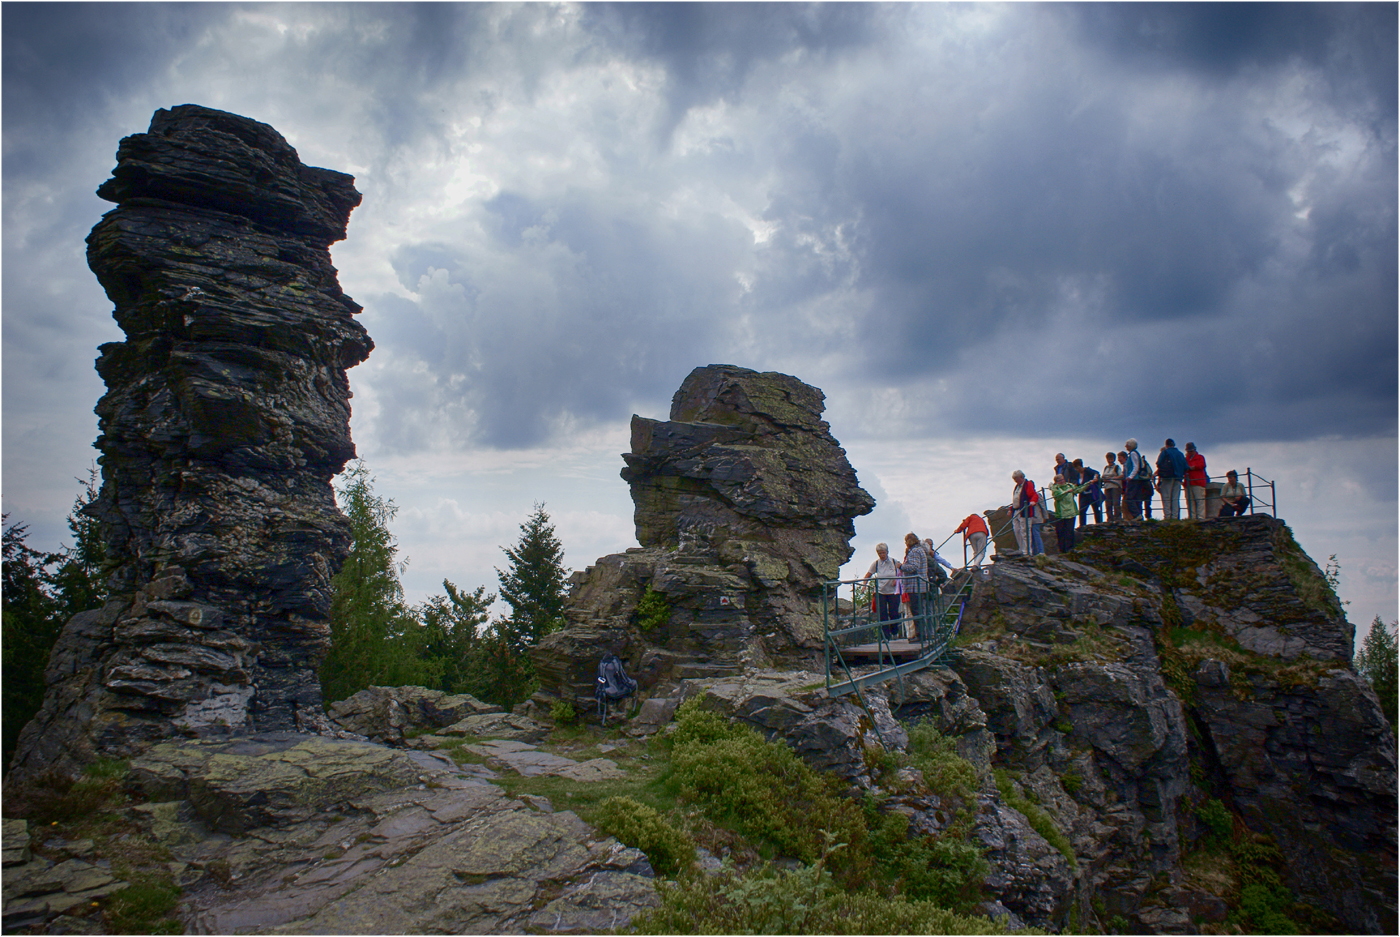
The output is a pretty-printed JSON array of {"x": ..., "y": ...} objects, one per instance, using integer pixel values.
[{"x": 708, "y": 49}]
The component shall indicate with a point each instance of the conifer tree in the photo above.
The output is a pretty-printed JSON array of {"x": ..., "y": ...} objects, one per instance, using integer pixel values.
[
  {"x": 1378, "y": 663},
  {"x": 534, "y": 584},
  {"x": 375, "y": 639}
]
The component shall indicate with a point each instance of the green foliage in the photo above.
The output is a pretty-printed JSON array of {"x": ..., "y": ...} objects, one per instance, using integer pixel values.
[
  {"x": 806, "y": 900},
  {"x": 147, "y": 907},
  {"x": 669, "y": 850},
  {"x": 375, "y": 639},
  {"x": 765, "y": 792},
  {"x": 947, "y": 774},
  {"x": 41, "y": 592},
  {"x": 1039, "y": 820},
  {"x": 533, "y": 586},
  {"x": 1264, "y": 909},
  {"x": 946, "y": 870},
  {"x": 1216, "y": 818},
  {"x": 1377, "y": 664},
  {"x": 451, "y": 639},
  {"x": 653, "y": 611},
  {"x": 563, "y": 714}
]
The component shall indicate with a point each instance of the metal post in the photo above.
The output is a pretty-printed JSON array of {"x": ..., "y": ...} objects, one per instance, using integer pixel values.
[{"x": 1249, "y": 483}]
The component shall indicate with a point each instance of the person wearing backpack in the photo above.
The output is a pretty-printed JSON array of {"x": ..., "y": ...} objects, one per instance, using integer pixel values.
[
  {"x": 914, "y": 571},
  {"x": 1022, "y": 509},
  {"x": 1195, "y": 483},
  {"x": 1171, "y": 470},
  {"x": 1137, "y": 479}
]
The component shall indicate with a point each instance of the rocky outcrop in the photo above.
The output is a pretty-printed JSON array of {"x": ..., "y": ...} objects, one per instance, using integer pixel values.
[
  {"x": 226, "y": 415},
  {"x": 1177, "y": 663},
  {"x": 744, "y": 507},
  {"x": 290, "y": 833}
]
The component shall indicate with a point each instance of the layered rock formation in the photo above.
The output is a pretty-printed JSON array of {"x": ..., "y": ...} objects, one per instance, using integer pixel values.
[
  {"x": 745, "y": 505},
  {"x": 1168, "y": 665},
  {"x": 226, "y": 415}
]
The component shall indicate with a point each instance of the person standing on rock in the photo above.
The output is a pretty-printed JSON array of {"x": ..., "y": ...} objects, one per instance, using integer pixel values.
[
  {"x": 1171, "y": 469},
  {"x": 914, "y": 569},
  {"x": 886, "y": 573},
  {"x": 1022, "y": 510},
  {"x": 1195, "y": 483},
  {"x": 1066, "y": 468},
  {"x": 1065, "y": 510},
  {"x": 1137, "y": 481},
  {"x": 1112, "y": 480},
  {"x": 975, "y": 533},
  {"x": 1091, "y": 496}
]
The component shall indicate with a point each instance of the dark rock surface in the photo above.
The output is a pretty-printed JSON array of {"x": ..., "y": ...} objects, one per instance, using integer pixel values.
[
  {"x": 744, "y": 506},
  {"x": 226, "y": 415},
  {"x": 1159, "y": 666}
]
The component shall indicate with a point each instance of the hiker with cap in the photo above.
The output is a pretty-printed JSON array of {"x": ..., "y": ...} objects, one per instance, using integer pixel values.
[
  {"x": 1234, "y": 497},
  {"x": 1091, "y": 496}
]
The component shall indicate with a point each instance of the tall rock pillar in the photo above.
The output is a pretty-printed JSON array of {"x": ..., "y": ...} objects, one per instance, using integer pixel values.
[{"x": 226, "y": 415}]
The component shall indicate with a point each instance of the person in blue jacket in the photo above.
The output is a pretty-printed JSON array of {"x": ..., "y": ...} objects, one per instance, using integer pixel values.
[{"x": 1171, "y": 472}]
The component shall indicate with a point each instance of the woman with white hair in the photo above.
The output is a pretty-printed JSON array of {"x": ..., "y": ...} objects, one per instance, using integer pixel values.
[{"x": 887, "y": 588}]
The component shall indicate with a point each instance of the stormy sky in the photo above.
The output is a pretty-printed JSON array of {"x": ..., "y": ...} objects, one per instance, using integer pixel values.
[{"x": 988, "y": 232}]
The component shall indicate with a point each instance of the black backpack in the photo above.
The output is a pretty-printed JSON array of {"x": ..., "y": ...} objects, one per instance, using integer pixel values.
[{"x": 612, "y": 684}]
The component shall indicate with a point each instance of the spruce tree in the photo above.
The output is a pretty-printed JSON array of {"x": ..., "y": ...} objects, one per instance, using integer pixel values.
[
  {"x": 1378, "y": 662},
  {"x": 375, "y": 638},
  {"x": 534, "y": 584}
]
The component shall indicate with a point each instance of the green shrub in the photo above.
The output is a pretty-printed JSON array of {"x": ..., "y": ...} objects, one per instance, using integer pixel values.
[
  {"x": 807, "y": 900},
  {"x": 1264, "y": 907},
  {"x": 562, "y": 712},
  {"x": 653, "y": 611},
  {"x": 669, "y": 850},
  {"x": 1216, "y": 818},
  {"x": 764, "y": 791},
  {"x": 946, "y": 773},
  {"x": 946, "y": 870}
]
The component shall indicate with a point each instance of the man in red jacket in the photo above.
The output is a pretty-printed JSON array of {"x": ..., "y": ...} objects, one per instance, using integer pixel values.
[{"x": 974, "y": 531}]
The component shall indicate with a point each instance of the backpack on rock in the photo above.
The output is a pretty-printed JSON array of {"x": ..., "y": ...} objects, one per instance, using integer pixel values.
[{"x": 612, "y": 684}]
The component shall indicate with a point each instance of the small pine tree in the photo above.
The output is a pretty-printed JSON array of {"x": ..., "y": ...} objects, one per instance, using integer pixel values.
[
  {"x": 452, "y": 640},
  {"x": 534, "y": 585},
  {"x": 375, "y": 639},
  {"x": 1378, "y": 662},
  {"x": 80, "y": 582}
]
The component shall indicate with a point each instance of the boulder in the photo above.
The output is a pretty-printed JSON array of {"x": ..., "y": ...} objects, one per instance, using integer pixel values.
[{"x": 388, "y": 714}]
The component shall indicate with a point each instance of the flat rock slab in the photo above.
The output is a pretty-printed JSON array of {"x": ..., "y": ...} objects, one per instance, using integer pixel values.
[{"x": 528, "y": 762}]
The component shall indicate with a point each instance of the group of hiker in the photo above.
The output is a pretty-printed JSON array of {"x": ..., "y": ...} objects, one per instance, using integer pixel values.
[
  {"x": 1122, "y": 489},
  {"x": 903, "y": 586}
]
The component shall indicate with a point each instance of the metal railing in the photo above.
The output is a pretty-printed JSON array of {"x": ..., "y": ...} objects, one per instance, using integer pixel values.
[{"x": 853, "y": 631}]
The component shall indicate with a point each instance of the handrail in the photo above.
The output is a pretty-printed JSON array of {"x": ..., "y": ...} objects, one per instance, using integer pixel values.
[{"x": 935, "y": 625}]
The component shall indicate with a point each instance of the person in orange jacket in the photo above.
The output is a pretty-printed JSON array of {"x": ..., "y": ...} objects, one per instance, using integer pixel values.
[{"x": 975, "y": 533}]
